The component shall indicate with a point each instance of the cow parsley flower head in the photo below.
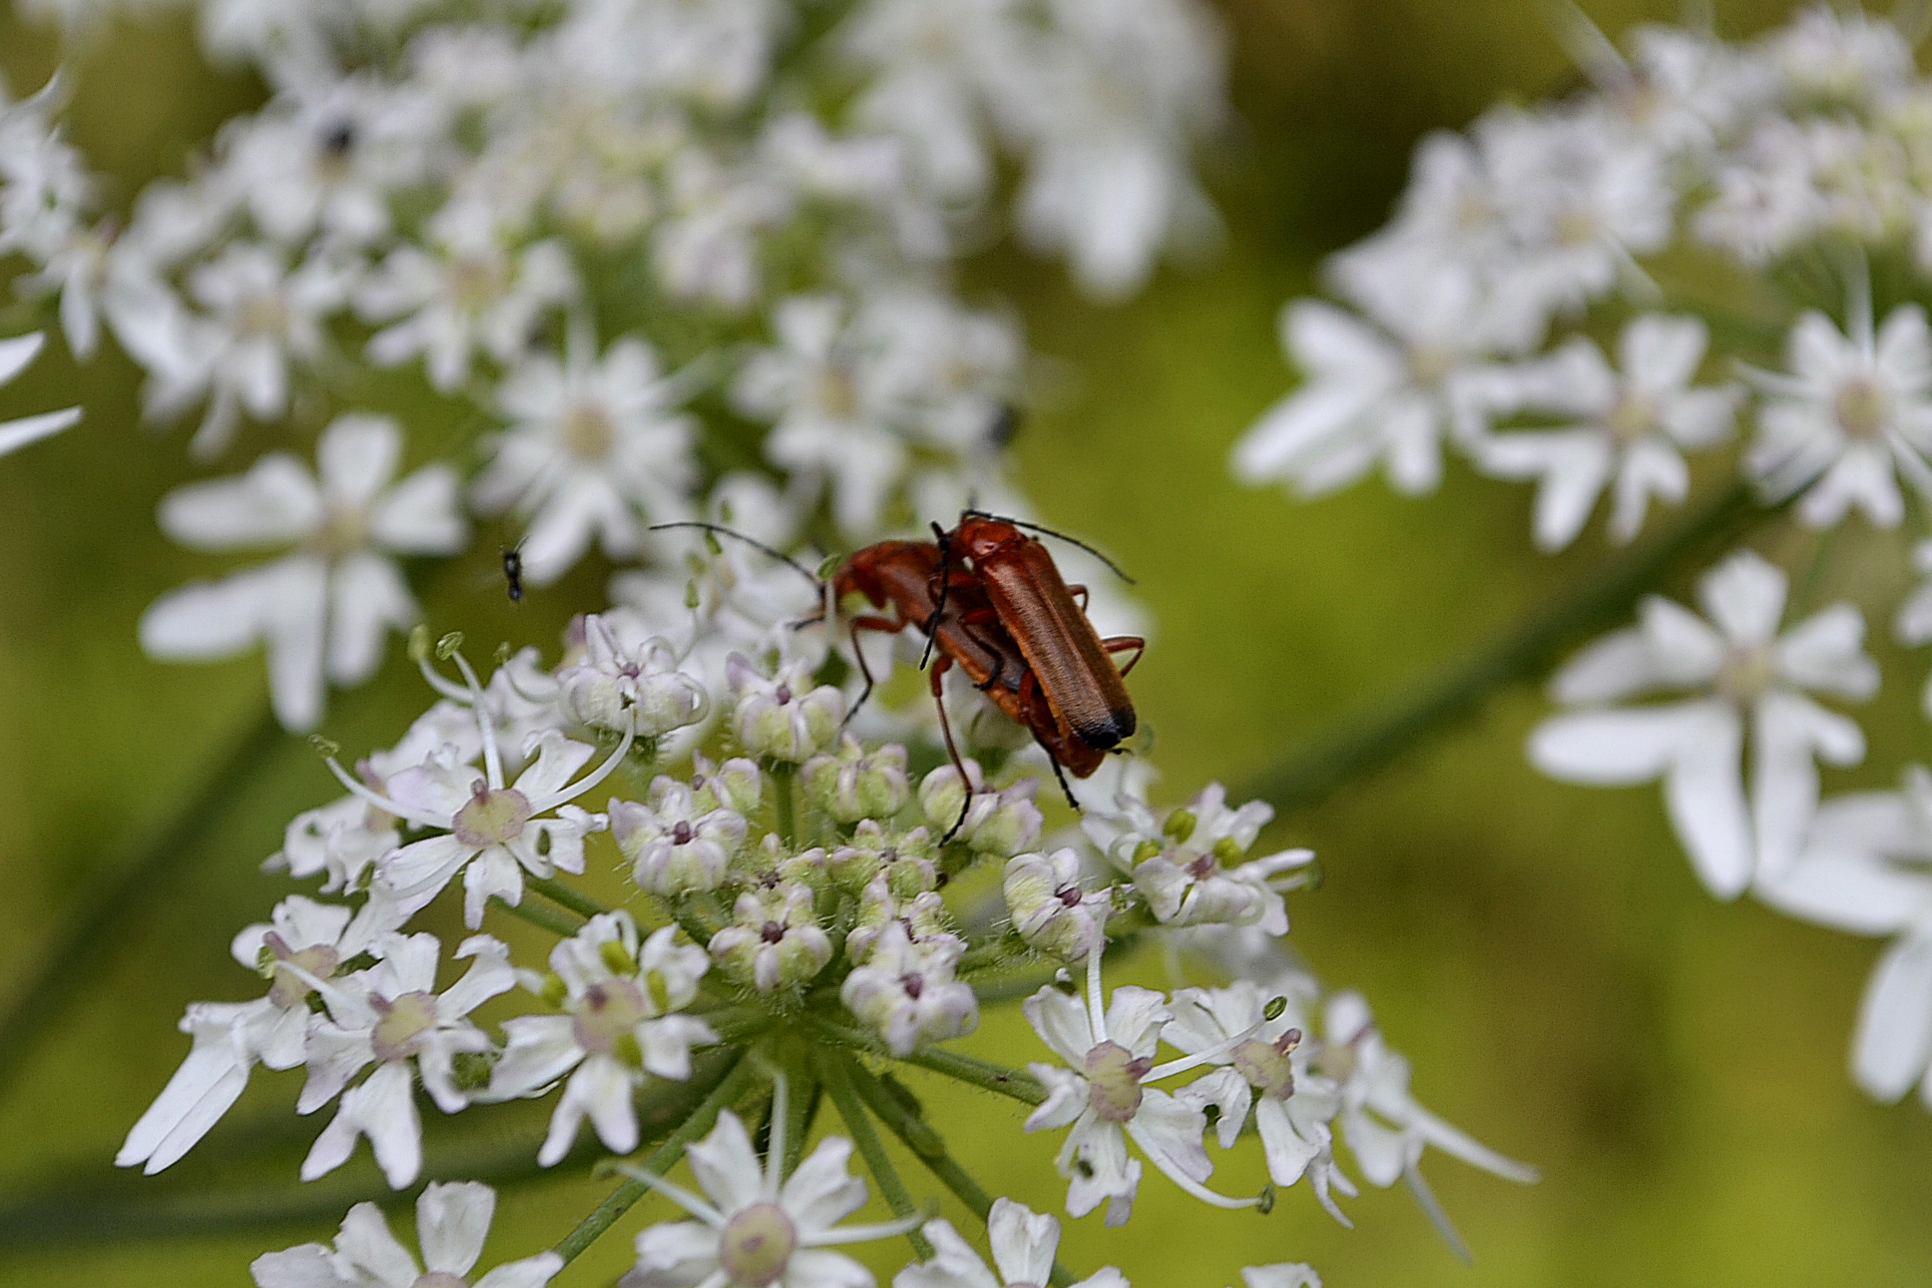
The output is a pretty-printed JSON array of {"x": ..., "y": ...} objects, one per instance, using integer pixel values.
[{"x": 1745, "y": 678}]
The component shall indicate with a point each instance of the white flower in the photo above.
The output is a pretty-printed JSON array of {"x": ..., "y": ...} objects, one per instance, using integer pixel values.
[
  {"x": 785, "y": 717},
  {"x": 1385, "y": 1128},
  {"x": 1282, "y": 1274},
  {"x": 1749, "y": 676},
  {"x": 1852, "y": 410},
  {"x": 1840, "y": 57},
  {"x": 758, "y": 1226},
  {"x": 389, "y": 1016},
  {"x": 1266, "y": 1067},
  {"x": 322, "y": 610},
  {"x": 1104, "y": 1098},
  {"x": 490, "y": 832},
  {"x": 452, "y": 1219},
  {"x": 263, "y": 317},
  {"x": 1107, "y": 104},
  {"x": 15, "y": 353},
  {"x": 473, "y": 292},
  {"x": 43, "y": 183},
  {"x": 906, "y": 991},
  {"x": 595, "y": 450},
  {"x": 1023, "y": 1243},
  {"x": 1374, "y": 394},
  {"x": 621, "y": 1025},
  {"x": 1629, "y": 429},
  {"x": 1864, "y": 870},
  {"x": 229, "y": 1037},
  {"x": 1184, "y": 865},
  {"x": 707, "y": 248}
]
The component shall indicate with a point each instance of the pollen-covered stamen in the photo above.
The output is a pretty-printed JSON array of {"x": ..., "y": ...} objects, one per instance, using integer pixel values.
[
  {"x": 402, "y": 1024},
  {"x": 1113, "y": 1081},
  {"x": 757, "y": 1244},
  {"x": 607, "y": 1018},
  {"x": 492, "y": 816},
  {"x": 1265, "y": 1064},
  {"x": 289, "y": 988}
]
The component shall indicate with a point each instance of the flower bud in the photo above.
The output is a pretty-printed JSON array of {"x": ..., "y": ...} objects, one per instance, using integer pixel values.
[
  {"x": 852, "y": 785},
  {"x": 775, "y": 940},
  {"x": 673, "y": 849},
  {"x": 1049, "y": 909},
  {"x": 781, "y": 719}
]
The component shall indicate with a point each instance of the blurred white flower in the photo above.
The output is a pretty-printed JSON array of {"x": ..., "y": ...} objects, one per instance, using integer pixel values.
[
  {"x": 1851, "y": 410},
  {"x": 452, "y": 1220},
  {"x": 44, "y": 187},
  {"x": 1382, "y": 394},
  {"x": 15, "y": 353},
  {"x": 1749, "y": 678},
  {"x": 470, "y": 291},
  {"x": 1629, "y": 431},
  {"x": 322, "y": 610},
  {"x": 595, "y": 450}
]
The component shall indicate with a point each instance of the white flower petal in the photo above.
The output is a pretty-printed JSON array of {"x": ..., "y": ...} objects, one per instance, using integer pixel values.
[
  {"x": 452, "y": 1220},
  {"x": 1894, "y": 1038},
  {"x": 1704, "y": 794}
]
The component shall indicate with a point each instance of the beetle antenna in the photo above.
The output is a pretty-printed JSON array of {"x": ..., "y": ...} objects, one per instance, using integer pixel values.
[
  {"x": 939, "y": 609},
  {"x": 1072, "y": 541},
  {"x": 753, "y": 542}
]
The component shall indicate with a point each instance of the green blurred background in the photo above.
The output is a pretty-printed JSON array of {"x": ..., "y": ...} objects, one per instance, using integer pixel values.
[{"x": 1566, "y": 990}]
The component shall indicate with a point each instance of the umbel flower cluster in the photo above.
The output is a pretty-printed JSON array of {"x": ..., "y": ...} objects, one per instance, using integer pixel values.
[
  {"x": 659, "y": 263},
  {"x": 1699, "y": 284}
]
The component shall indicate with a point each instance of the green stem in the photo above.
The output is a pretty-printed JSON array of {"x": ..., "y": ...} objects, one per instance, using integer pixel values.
[
  {"x": 543, "y": 916},
  {"x": 918, "y": 1136},
  {"x": 559, "y": 893},
  {"x": 1365, "y": 741},
  {"x": 963, "y": 1068},
  {"x": 732, "y": 1081},
  {"x": 784, "y": 806},
  {"x": 80, "y": 951},
  {"x": 835, "y": 1073}
]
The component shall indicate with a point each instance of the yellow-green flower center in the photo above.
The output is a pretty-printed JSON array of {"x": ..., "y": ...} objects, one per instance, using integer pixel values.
[
  {"x": 757, "y": 1244},
  {"x": 491, "y": 817},
  {"x": 1113, "y": 1081},
  {"x": 403, "y": 1022}
]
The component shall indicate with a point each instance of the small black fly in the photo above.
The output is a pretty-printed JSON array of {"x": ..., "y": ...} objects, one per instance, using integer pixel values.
[{"x": 513, "y": 571}]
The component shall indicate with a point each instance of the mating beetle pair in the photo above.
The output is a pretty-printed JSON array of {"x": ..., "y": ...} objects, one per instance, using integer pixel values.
[{"x": 990, "y": 601}]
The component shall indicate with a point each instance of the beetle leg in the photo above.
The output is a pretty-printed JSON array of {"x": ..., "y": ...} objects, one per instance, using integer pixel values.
[
  {"x": 1079, "y": 593},
  {"x": 999, "y": 668},
  {"x": 1061, "y": 774},
  {"x": 1120, "y": 644},
  {"x": 885, "y": 624},
  {"x": 940, "y": 666}
]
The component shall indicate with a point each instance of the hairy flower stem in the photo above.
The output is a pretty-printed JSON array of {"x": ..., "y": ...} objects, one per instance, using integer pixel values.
[
  {"x": 834, "y": 1071},
  {"x": 559, "y": 893},
  {"x": 79, "y": 952},
  {"x": 543, "y": 916},
  {"x": 784, "y": 805},
  {"x": 733, "y": 1079},
  {"x": 1020, "y": 1086},
  {"x": 918, "y": 1136},
  {"x": 1364, "y": 741}
]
